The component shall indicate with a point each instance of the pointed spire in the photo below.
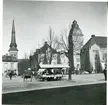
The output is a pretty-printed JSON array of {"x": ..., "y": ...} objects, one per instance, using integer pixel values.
[
  {"x": 13, "y": 27},
  {"x": 13, "y": 39}
]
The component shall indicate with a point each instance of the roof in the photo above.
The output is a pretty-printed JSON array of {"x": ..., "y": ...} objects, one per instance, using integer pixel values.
[
  {"x": 7, "y": 58},
  {"x": 99, "y": 40},
  {"x": 44, "y": 66},
  {"x": 13, "y": 49},
  {"x": 45, "y": 47}
]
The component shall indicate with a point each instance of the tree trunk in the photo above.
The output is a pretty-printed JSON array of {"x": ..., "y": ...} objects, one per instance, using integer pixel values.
[
  {"x": 71, "y": 62},
  {"x": 58, "y": 59},
  {"x": 50, "y": 59},
  {"x": 45, "y": 60},
  {"x": 70, "y": 51}
]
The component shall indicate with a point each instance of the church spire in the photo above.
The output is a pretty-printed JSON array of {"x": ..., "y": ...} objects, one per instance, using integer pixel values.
[
  {"x": 13, "y": 27},
  {"x": 13, "y": 45},
  {"x": 13, "y": 40}
]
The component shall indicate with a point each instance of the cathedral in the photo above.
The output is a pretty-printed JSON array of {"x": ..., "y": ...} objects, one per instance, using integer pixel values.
[{"x": 10, "y": 60}]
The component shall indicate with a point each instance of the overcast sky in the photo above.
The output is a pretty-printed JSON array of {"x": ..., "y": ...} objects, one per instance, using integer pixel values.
[{"x": 33, "y": 18}]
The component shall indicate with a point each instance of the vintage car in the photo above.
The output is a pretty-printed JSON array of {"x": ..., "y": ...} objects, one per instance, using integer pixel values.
[{"x": 51, "y": 72}]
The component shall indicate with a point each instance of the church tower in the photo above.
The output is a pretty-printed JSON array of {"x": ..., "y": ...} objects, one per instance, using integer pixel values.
[{"x": 13, "y": 51}]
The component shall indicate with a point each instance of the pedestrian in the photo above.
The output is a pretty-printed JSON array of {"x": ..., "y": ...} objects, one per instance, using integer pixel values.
[
  {"x": 105, "y": 74},
  {"x": 10, "y": 74}
]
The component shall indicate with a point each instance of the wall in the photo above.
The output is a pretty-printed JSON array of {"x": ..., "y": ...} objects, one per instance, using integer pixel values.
[
  {"x": 93, "y": 52},
  {"x": 103, "y": 61},
  {"x": 23, "y": 64},
  {"x": 92, "y": 56},
  {"x": 15, "y": 53},
  {"x": 64, "y": 59},
  {"x": 77, "y": 61},
  {"x": 85, "y": 60},
  {"x": 9, "y": 66}
]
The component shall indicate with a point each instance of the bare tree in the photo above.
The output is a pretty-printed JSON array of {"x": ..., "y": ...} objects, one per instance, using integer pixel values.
[
  {"x": 71, "y": 41},
  {"x": 31, "y": 58},
  {"x": 52, "y": 41},
  {"x": 77, "y": 40},
  {"x": 25, "y": 56},
  {"x": 31, "y": 52}
]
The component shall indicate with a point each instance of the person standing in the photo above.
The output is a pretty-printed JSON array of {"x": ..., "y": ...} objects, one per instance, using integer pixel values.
[
  {"x": 105, "y": 74},
  {"x": 10, "y": 74}
]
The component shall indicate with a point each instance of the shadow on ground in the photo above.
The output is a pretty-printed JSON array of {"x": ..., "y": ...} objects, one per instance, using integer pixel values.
[{"x": 94, "y": 94}]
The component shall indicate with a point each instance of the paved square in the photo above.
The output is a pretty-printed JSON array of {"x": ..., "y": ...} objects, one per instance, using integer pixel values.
[{"x": 17, "y": 83}]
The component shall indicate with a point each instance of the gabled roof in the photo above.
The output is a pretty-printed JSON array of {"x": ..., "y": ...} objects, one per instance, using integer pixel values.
[
  {"x": 99, "y": 40},
  {"x": 7, "y": 58},
  {"x": 45, "y": 47}
]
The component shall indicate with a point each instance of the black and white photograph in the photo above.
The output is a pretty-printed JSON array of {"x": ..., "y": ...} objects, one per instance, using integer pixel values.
[{"x": 54, "y": 52}]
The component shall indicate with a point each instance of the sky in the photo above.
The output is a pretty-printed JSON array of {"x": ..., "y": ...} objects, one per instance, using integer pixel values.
[{"x": 33, "y": 18}]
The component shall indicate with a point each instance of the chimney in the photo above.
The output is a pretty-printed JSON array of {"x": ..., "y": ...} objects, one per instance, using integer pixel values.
[
  {"x": 92, "y": 36},
  {"x": 45, "y": 42},
  {"x": 6, "y": 54}
]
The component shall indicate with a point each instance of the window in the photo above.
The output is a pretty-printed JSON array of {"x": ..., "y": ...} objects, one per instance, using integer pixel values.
[
  {"x": 78, "y": 59},
  {"x": 5, "y": 65},
  {"x": 12, "y": 64},
  {"x": 78, "y": 65},
  {"x": 96, "y": 51},
  {"x": 104, "y": 57}
]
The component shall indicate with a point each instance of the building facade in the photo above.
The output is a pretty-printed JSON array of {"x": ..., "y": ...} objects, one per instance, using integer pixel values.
[
  {"x": 10, "y": 60},
  {"x": 94, "y": 54},
  {"x": 44, "y": 55}
]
